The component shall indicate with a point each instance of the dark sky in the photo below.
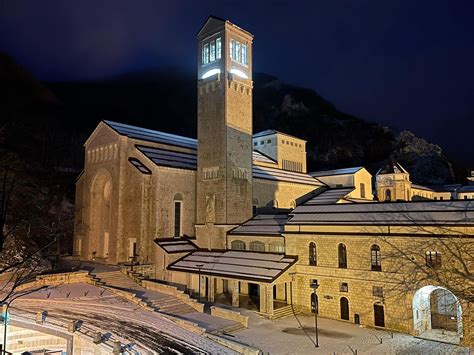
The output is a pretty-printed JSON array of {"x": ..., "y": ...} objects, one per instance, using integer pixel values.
[{"x": 408, "y": 64}]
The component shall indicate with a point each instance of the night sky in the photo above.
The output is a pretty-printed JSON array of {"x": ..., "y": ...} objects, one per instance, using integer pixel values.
[{"x": 408, "y": 64}]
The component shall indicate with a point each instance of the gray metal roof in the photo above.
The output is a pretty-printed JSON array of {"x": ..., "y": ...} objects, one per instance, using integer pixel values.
[
  {"x": 169, "y": 158},
  {"x": 267, "y": 173},
  {"x": 152, "y": 136},
  {"x": 329, "y": 196},
  {"x": 269, "y": 132},
  {"x": 180, "y": 160},
  {"x": 344, "y": 171},
  {"x": 445, "y": 188},
  {"x": 397, "y": 213},
  {"x": 266, "y": 224},
  {"x": 260, "y": 157},
  {"x": 467, "y": 188},
  {"x": 140, "y": 166},
  {"x": 246, "y": 265},
  {"x": 176, "y": 245},
  {"x": 420, "y": 187}
]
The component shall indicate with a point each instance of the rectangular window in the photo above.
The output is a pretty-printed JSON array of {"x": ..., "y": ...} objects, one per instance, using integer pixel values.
[
  {"x": 262, "y": 142},
  {"x": 343, "y": 287},
  {"x": 231, "y": 48},
  {"x": 255, "y": 143},
  {"x": 313, "y": 281},
  {"x": 218, "y": 48},
  {"x": 433, "y": 259},
  {"x": 213, "y": 51},
  {"x": 377, "y": 291},
  {"x": 269, "y": 141},
  {"x": 244, "y": 54},
  {"x": 237, "y": 51},
  {"x": 177, "y": 218},
  {"x": 206, "y": 54}
]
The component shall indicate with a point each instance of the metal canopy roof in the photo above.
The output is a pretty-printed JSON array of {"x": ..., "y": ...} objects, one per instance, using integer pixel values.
[
  {"x": 243, "y": 265},
  {"x": 176, "y": 245}
]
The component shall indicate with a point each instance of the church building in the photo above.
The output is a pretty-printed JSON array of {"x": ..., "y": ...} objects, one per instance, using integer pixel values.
[{"x": 237, "y": 213}]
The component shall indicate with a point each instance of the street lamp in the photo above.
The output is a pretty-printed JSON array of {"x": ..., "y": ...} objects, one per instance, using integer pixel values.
[
  {"x": 199, "y": 266},
  {"x": 314, "y": 286}
]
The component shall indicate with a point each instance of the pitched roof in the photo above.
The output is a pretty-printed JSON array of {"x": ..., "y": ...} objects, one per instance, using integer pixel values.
[
  {"x": 267, "y": 173},
  {"x": 182, "y": 160},
  {"x": 329, "y": 196},
  {"x": 392, "y": 167},
  {"x": 266, "y": 224},
  {"x": 152, "y": 135},
  {"x": 246, "y": 265},
  {"x": 344, "y": 171},
  {"x": 467, "y": 188},
  {"x": 395, "y": 213},
  {"x": 420, "y": 187},
  {"x": 445, "y": 188},
  {"x": 169, "y": 158},
  {"x": 269, "y": 132},
  {"x": 262, "y": 158}
]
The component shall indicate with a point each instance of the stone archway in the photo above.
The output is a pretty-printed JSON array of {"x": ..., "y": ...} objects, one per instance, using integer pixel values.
[
  {"x": 100, "y": 207},
  {"x": 437, "y": 314}
]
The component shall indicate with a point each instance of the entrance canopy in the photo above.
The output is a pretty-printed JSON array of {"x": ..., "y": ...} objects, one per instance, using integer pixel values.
[{"x": 243, "y": 265}]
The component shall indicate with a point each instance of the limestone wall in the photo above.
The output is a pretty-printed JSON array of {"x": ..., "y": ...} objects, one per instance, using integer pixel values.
[{"x": 285, "y": 193}]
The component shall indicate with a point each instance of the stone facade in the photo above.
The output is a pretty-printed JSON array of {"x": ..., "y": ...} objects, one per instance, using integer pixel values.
[{"x": 140, "y": 185}]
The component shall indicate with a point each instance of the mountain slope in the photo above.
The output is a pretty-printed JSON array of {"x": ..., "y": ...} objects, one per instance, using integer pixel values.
[{"x": 56, "y": 118}]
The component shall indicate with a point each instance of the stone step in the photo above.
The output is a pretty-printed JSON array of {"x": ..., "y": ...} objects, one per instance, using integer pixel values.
[{"x": 232, "y": 329}]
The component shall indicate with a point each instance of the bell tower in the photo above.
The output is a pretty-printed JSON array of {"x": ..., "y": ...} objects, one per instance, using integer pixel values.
[{"x": 224, "y": 164}]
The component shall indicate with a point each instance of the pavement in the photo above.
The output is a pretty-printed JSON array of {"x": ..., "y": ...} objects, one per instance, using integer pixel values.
[{"x": 297, "y": 336}]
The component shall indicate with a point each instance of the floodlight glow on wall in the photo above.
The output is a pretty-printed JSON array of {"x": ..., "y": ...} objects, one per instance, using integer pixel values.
[
  {"x": 239, "y": 73},
  {"x": 210, "y": 73}
]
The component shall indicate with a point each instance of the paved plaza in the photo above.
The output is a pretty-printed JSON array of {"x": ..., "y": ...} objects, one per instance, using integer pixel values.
[{"x": 288, "y": 336}]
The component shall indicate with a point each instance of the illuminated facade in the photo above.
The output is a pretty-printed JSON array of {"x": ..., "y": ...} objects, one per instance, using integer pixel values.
[{"x": 243, "y": 207}]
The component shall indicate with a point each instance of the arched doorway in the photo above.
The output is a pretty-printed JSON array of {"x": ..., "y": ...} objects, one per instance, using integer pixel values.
[
  {"x": 344, "y": 308},
  {"x": 437, "y": 314},
  {"x": 379, "y": 315},
  {"x": 99, "y": 233}
]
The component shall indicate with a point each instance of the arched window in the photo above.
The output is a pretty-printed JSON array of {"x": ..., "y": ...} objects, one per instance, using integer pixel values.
[
  {"x": 388, "y": 195},
  {"x": 342, "y": 256},
  {"x": 375, "y": 258},
  {"x": 257, "y": 246},
  {"x": 237, "y": 245},
  {"x": 277, "y": 247},
  {"x": 312, "y": 254},
  {"x": 344, "y": 308},
  {"x": 178, "y": 207}
]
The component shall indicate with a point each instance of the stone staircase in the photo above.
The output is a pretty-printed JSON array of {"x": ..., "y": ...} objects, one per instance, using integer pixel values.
[
  {"x": 282, "y": 312},
  {"x": 161, "y": 302},
  {"x": 117, "y": 279},
  {"x": 171, "y": 305}
]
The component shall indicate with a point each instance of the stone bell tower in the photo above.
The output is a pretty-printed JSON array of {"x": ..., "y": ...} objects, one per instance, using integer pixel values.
[{"x": 224, "y": 165}]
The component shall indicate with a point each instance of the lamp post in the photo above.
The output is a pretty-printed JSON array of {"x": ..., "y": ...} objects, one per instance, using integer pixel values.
[
  {"x": 199, "y": 266},
  {"x": 5, "y": 307},
  {"x": 314, "y": 286}
]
